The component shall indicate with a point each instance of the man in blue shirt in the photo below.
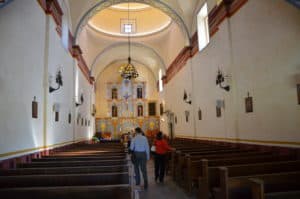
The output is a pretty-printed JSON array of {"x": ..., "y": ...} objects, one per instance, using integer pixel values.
[{"x": 140, "y": 148}]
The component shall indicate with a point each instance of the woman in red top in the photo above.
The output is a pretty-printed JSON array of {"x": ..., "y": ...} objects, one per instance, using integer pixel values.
[{"x": 161, "y": 148}]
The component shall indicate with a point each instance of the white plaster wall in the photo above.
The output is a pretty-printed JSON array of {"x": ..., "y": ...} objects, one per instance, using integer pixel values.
[
  {"x": 174, "y": 91},
  {"x": 22, "y": 44},
  {"x": 59, "y": 59},
  {"x": 266, "y": 48},
  {"x": 31, "y": 51},
  {"x": 259, "y": 48},
  {"x": 82, "y": 131},
  {"x": 205, "y": 66}
]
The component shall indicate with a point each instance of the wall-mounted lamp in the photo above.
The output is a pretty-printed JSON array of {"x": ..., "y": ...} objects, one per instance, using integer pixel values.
[
  {"x": 58, "y": 80},
  {"x": 219, "y": 81},
  {"x": 187, "y": 98},
  {"x": 81, "y": 101}
]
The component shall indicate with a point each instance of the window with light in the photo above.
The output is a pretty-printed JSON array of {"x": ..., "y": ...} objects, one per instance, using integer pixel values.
[
  {"x": 203, "y": 28},
  {"x": 160, "y": 81}
]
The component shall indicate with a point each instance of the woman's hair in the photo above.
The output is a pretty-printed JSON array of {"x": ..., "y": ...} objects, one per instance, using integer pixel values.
[{"x": 159, "y": 135}]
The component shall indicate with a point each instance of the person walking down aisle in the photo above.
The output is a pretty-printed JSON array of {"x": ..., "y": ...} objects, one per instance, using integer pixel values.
[
  {"x": 140, "y": 148},
  {"x": 161, "y": 148}
]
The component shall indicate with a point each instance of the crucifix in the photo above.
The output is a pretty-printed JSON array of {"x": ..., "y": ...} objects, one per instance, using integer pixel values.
[{"x": 126, "y": 97}]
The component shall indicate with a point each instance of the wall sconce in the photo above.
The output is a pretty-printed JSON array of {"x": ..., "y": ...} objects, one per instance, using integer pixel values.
[
  {"x": 58, "y": 80},
  {"x": 187, "y": 98},
  {"x": 220, "y": 79},
  {"x": 81, "y": 101}
]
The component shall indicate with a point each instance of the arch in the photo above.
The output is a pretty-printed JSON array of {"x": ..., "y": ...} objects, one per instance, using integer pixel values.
[
  {"x": 154, "y": 3},
  {"x": 125, "y": 44},
  {"x": 123, "y": 60}
]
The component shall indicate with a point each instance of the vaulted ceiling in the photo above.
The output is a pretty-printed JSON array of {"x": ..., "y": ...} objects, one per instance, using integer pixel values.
[{"x": 95, "y": 24}]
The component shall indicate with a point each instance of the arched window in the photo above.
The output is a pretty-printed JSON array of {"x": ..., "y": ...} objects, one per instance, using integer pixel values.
[
  {"x": 139, "y": 91},
  {"x": 114, "y": 111},
  {"x": 203, "y": 28},
  {"x": 114, "y": 93},
  {"x": 140, "y": 111}
]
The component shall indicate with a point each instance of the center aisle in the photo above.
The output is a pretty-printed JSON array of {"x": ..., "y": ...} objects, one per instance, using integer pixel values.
[{"x": 166, "y": 190}]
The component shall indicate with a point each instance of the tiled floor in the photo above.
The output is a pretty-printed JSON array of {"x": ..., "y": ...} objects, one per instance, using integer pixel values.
[{"x": 167, "y": 190}]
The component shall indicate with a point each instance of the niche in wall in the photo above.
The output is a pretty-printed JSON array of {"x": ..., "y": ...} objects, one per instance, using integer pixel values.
[
  {"x": 81, "y": 121},
  {"x": 152, "y": 108},
  {"x": 175, "y": 119},
  {"x": 34, "y": 108}
]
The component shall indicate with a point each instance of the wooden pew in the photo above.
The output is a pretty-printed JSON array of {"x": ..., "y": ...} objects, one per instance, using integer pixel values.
[
  {"x": 278, "y": 185},
  {"x": 184, "y": 158},
  {"x": 220, "y": 178},
  {"x": 206, "y": 170},
  {"x": 69, "y": 192},
  {"x": 64, "y": 180},
  {"x": 85, "y": 172},
  {"x": 191, "y": 165},
  {"x": 65, "y": 170},
  {"x": 78, "y": 158},
  {"x": 176, "y": 154},
  {"x": 84, "y": 155},
  {"x": 74, "y": 163}
]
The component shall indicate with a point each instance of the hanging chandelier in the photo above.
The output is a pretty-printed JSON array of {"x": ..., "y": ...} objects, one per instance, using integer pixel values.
[{"x": 129, "y": 71}]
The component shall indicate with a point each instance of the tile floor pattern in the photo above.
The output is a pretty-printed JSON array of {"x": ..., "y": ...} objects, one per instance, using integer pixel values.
[{"x": 166, "y": 190}]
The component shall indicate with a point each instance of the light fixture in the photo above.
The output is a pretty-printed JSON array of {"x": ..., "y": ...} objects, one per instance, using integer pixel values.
[
  {"x": 58, "y": 80},
  {"x": 220, "y": 79},
  {"x": 129, "y": 71},
  {"x": 187, "y": 98},
  {"x": 81, "y": 101}
]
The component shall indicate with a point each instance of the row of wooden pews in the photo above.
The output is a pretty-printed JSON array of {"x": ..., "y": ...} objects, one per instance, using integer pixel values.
[
  {"x": 86, "y": 171},
  {"x": 227, "y": 171}
]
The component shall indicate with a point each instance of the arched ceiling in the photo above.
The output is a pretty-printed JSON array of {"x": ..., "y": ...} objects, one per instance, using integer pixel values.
[
  {"x": 156, "y": 50},
  {"x": 119, "y": 51},
  {"x": 83, "y": 11},
  {"x": 145, "y": 19}
]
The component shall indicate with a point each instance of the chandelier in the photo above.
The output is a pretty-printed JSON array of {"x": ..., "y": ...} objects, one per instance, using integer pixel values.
[{"x": 129, "y": 71}]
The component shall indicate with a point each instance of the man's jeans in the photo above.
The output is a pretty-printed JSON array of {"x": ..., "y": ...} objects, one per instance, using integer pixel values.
[{"x": 140, "y": 163}]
